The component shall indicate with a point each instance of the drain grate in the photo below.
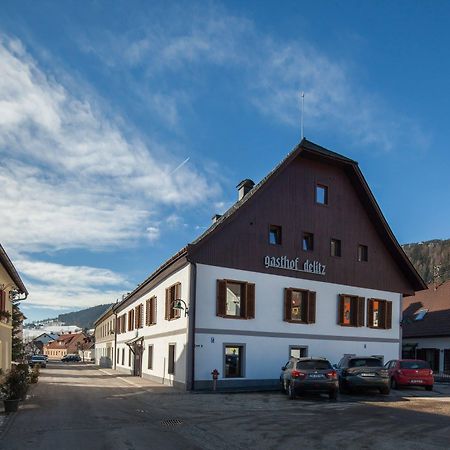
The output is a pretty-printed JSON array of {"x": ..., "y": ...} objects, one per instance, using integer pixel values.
[{"x": 171, "y": 422}]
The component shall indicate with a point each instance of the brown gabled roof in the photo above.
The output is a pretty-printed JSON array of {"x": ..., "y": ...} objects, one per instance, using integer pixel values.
[
  {"x": 314, "y": 151},
  {"x": 436, "y": 321},
  {"x": 12, "y": 272}
]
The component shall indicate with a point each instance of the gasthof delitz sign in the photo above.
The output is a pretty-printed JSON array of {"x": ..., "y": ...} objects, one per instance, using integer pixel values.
[{"x": 283, "y": 262}]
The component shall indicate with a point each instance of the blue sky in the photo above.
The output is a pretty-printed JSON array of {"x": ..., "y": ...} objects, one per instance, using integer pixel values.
[{"x": 124, "y": 126}]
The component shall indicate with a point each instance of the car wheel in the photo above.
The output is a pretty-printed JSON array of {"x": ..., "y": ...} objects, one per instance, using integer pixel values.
[
  {"x": 291, "y": 393},
  {"x": 429, "y": 388},
  {"x": 332, "y": 395},
  {"x": 385, "y": 391},
  {"x": 394, "y": 384}
]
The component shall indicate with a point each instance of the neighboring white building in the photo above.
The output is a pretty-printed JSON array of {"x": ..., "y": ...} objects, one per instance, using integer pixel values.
[
  {"x": 105, "y": 338},
  {"x": 303, "y": 263}
]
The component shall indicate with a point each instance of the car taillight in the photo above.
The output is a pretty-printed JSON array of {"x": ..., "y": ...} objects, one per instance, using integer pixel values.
[
  {"x": 332, "y": 375},
  {"x": 298, "y": 374}
]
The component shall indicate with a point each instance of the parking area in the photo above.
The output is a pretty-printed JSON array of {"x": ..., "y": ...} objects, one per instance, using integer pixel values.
[{"x": 80, "y": 406}]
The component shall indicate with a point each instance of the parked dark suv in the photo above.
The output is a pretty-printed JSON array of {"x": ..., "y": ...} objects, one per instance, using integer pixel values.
[
  {"x": 301, "y": 375},
  {"x": 71, "y": 358},
  {"x": 365, "y": 372}
]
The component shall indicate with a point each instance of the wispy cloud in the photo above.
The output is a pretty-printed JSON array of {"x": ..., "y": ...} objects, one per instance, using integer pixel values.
[
  {"x": 74, "y": 176},
  {"x": 266, "y": 71}
]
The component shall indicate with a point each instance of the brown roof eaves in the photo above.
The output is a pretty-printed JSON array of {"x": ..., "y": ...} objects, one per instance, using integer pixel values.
[{"x": 12, "y": 272}]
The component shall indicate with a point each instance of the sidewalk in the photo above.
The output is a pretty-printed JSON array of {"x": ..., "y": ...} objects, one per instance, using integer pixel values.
[{"x": 140, "y": 382}]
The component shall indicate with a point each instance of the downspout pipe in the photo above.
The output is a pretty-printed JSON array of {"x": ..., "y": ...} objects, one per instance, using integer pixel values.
[{"x": 191, "y": 329}]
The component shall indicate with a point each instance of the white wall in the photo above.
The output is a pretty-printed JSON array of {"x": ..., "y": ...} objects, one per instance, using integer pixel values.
[
  {"x": 266, "y": 354},
  {"x": 161, "y": 334}
]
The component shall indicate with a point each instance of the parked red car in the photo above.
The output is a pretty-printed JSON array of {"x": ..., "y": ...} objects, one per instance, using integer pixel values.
[{"x": 410, "y": 372}]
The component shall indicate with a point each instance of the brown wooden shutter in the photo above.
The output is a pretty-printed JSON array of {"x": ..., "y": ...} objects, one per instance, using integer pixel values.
[
  {"x": 136, "y": 317},
  {"x": 250, "y": 301},
  {"x": 311, "y": 308},
  {"x": 221, "y": 305},
  {"x": 177, "y": 312},
  {"x": 167, "y": 312},
  {"x": 360, "y": 312},
  {"x": 340, "y": 319},
  {"x": 153, "y": 313},
  {"x": 147, "y": 311},
  {"x": 388, "y": 315},
  {"x": 287, "y": 304},
  {"x": 370, "y": 313},
  {"x": 2, "y": 300}
]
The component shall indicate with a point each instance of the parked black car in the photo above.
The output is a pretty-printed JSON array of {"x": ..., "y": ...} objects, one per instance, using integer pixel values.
[
  {"x": 71, "y": 358},
  {"x": 38, "y": 360},
  {"x": 365, "y": 372},
  {"x": 301, "y": 375}
]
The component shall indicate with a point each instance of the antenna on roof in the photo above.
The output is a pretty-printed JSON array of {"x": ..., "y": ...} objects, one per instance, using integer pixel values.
[{"x": 303, "y": 109}]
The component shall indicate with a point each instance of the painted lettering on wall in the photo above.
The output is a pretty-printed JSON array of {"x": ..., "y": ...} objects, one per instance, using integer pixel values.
[{"x": 283, "y": 262}]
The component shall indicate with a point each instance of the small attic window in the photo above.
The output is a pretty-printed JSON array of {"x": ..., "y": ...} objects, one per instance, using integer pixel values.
[
  {"x": 420, "y": 314},
  {"x": 321, "y": 194}
]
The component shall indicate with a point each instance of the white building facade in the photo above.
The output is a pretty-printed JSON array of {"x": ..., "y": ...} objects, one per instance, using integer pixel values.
[{"x": 304, "y": 264}]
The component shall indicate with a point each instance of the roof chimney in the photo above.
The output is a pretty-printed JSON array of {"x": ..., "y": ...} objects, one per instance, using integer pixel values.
[
  {"x": 216, "y": 217},
  {"x": 244, "y": 187}
]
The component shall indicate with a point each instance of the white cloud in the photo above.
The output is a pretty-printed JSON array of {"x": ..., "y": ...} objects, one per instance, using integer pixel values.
[
  {"x": 71, "y": 175},
  {"x": 153, "y": 233},
  {"x": 56, "y": 286}
]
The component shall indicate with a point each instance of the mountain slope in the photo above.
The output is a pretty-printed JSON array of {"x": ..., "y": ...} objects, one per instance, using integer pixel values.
[
  {"x": 84, "y": 318},
  {"x": 426, "y": 255}
]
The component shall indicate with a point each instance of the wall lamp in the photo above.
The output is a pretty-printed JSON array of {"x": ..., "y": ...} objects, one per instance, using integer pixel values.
[{"x": 178, "y": 306}]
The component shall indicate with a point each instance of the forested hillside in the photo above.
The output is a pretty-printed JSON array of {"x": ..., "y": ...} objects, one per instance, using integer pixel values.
[
  {"x": 426, "y": 255},
  {"x": 84, "y": 318}
]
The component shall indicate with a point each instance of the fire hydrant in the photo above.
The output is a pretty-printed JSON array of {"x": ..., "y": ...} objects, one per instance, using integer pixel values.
[{"x": 215, "y": 375}]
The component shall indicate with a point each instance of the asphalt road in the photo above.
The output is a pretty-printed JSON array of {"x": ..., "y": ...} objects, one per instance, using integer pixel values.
[{"x": 80, "y": 407}]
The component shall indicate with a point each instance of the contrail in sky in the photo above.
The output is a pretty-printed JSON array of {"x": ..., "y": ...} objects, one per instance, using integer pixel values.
[{"x": 180, "y": 166}]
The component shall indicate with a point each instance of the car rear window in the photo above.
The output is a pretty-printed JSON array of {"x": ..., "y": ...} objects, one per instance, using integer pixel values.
[
  {"x": 414, "y": 365},
  {"x": 314, "y": 365},
  {"x": 365, "y": 362}
]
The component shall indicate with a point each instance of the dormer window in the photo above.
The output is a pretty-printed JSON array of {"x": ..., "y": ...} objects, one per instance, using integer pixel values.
[
  {"x": 321, "y": 194},
  {"x": 420, "y": 314}
]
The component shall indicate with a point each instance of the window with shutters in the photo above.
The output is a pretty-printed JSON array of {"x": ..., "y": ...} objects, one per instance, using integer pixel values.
[
  {"x": 235, "y": 299},
  {"x": 130, "y": 356},
  {"x": 379, "y": 313},
  {"x": 150, "y": 311},
  {"x": 171, "y": 360},
  {"x": 351, "y": 311},
  {"x": 173, "y": 293},
  {"x": 139, "y": 316},
  {"x": 299, "y": 306},
  {"x": 131, "y": 320},
  {"x": 2, "y": 300}
]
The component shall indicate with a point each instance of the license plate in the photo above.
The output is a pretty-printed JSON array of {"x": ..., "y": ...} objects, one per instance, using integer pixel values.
[
  {"x": 315, "y": 375},
  {"x": 367, "y": 374},
  {"x": 416, "y": 381}
]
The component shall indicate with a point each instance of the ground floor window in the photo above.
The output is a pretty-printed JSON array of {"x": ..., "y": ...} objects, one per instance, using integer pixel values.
[
  {"x": 129, "y": 357},
  {"x": 171, "y": 360},
  {"x": 298, "y": 351},
  {"x": 123, "y": 357},
  {"x": 234, "y": 361},
  {"x": 118, "y": 354},
  {"x": 150, "y": 357},
  {"x": 447, "y": 361}
]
